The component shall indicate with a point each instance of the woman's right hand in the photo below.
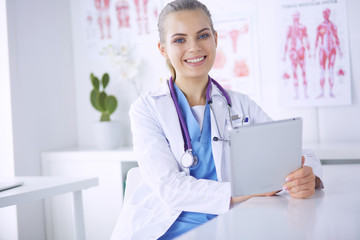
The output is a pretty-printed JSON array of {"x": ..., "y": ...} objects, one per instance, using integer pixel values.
[{"x": 239, "y": 199}]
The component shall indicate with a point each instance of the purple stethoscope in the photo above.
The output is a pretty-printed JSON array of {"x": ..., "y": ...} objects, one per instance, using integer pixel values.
[{"x": 188, "y": 159}]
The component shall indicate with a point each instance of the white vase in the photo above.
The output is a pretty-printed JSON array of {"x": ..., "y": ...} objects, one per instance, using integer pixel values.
[{"x": 107, "y": 134}]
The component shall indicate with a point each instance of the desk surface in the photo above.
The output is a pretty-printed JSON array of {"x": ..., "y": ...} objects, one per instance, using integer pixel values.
[
  {"x": 42, "y": 187},
  {"x": 332, "y": 213}
]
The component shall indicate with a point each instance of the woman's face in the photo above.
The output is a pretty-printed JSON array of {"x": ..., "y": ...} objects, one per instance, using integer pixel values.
[{"x": 190, "y": 45}]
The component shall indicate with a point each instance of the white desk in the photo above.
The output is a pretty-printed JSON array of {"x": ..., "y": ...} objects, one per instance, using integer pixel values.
[
  {"x": 35, "y": 188},
  {"x": 110, "y": 167},
  {"x": 332, "y": 213}
]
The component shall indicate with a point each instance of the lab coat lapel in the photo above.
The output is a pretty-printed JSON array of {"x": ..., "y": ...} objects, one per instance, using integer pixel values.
[
  {"x": 169, "y": 121},
  {"x": 219, "y": 110}
]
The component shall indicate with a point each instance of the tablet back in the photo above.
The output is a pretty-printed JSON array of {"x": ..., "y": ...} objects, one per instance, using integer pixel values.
[{"x": 263, "y": 155}]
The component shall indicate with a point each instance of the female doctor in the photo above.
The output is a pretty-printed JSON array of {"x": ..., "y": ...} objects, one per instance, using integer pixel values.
[{"x": 178, "y": 132}]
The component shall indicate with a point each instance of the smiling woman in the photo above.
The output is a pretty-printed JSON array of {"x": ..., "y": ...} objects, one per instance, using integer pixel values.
[
  {"x": 178, "y": 136},
  {"x": 189, "y": 45}
]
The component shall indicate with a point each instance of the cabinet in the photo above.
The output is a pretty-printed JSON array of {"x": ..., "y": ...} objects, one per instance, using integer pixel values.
[{"x": 102, "y": 204}]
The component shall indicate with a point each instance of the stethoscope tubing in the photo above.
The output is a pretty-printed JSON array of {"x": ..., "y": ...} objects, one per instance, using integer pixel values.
[
  {"x": 184, "y": 128},
  {"x": 222, "y": 90}
]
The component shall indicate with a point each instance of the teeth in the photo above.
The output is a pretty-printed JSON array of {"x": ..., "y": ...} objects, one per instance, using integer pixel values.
[{"x": 195, "y": 60}]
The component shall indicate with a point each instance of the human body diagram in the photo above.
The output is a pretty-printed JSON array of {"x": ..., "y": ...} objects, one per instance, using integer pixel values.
[
  {"x": 103, "y": 17},
  {"x": 119, "y": 15},
  {"x": 327, "y": 41},
  {"x": 326, "y": 47},
  {"x": 298, "y": 38}
]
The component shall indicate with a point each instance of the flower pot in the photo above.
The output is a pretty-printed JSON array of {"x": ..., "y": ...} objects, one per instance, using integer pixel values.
[{"x": 107, "y": 135}]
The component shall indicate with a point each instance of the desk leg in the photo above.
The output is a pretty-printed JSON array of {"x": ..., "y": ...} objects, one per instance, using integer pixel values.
[{"x": 79, "y": 216}]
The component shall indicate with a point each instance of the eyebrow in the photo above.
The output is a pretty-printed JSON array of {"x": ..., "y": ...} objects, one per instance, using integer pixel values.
[{"x": 183, "y": 34}]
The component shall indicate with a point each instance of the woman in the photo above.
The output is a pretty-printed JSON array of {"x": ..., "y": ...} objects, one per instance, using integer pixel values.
[{"x": 173, "y": 198}]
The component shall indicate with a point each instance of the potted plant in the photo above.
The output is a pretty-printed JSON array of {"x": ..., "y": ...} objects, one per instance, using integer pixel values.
[{"x": 107, "y": 132}]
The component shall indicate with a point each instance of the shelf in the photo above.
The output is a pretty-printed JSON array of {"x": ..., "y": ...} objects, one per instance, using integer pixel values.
[
  {"x": 89, "y": 154},
  {"x": 335, "y": 151}
]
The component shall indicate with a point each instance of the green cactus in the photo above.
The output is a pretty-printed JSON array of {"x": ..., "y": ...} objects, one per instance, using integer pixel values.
[{"x": 106, "y": 104}]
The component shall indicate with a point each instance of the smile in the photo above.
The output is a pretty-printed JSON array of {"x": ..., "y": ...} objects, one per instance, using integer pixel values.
[{"x": 195, "y": 60}]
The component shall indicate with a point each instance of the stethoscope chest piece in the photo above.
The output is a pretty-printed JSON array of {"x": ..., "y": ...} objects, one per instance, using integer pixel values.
[{"x": 188, "y": 159}]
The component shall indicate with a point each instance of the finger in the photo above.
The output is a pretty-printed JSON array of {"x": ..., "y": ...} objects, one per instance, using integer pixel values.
[
  {"x": 300, "y": 173},
  {"x": 308, "y": 180},
  {"x": 297, "y": 182},
  {"x": 303, "y": 187},
  {"x": 268, "y": 194},
  {"x": 303, "y": 194}
]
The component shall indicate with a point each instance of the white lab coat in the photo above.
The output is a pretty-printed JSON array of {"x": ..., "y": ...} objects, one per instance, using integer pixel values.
[{"x": 167, "y": 188}]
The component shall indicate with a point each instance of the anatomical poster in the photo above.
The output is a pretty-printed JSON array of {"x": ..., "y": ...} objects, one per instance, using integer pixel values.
[
  {"x": 121, "y": 24},
  {"x": 236, "y": 65},
  {"x": 314, "y": 51}
]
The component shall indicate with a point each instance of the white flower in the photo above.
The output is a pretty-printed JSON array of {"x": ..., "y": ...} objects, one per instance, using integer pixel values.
[
  {"x": 122, "y": 62},
  {"x": 125, "y": 49}
]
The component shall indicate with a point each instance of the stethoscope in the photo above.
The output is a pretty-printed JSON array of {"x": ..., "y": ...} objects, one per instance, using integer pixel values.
[{"x": 188, "y": 159}]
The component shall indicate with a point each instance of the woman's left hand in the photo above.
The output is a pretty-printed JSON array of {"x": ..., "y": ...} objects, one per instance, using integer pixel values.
[{"x": 301, "y": 183}]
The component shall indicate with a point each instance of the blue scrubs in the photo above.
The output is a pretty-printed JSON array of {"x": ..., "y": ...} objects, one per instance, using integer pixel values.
[{"x": 205, "y": 169}]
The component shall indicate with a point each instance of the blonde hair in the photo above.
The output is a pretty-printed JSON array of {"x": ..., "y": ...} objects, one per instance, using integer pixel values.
[{"x": 177, "y": 6}]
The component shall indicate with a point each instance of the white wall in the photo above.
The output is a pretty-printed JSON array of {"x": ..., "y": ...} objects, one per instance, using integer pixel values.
[
  {"x": 152, "y": 68},
  {"x": 7, "y": 215},
  {"x": 342, "y": 123},
  {"x": 323, "y": 124},
  {"x": 43, "y": 92}
]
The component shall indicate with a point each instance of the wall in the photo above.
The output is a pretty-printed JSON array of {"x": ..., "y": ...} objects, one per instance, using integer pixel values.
[
  {"x": 42, "y": 92},
  {"x": 341, "y": 123},
  {"x": 152, "y": 68},
  {"x": 8, "y": 214},
  {"x": 321, "y": 124}
]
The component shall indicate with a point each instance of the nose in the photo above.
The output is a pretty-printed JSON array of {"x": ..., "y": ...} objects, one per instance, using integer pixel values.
[{"x": 194, "y": 45}]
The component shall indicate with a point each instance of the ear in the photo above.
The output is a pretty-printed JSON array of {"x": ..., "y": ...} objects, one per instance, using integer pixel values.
[{"x": 162, "y": 49}]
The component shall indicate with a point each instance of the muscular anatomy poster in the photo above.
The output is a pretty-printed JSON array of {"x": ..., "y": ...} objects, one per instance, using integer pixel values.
[
  {"x": 117, "y": 23},
  {"x": 314, "y": 50}
]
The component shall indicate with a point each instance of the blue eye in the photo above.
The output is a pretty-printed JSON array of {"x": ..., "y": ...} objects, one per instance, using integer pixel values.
[
  {"x": 202, "y": 36},
  {"x": 179, "y": 40}
]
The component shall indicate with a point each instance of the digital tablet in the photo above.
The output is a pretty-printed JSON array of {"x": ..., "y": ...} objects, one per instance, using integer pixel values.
[{"x": 262, "y": 155}]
